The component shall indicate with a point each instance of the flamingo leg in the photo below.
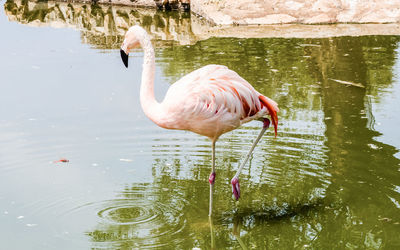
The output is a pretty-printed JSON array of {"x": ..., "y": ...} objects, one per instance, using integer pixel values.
[
  {"x": 235, "y": 179},
  {"x": 211, "y": 179},
  {"x": 212, "y": 233}
]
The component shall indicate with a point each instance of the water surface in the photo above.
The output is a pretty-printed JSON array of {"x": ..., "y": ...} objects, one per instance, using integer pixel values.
[{"x": 330, "y": 180}]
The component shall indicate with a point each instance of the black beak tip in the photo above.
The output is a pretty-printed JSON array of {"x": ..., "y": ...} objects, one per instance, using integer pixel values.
[{"x": 124, "y": 58}]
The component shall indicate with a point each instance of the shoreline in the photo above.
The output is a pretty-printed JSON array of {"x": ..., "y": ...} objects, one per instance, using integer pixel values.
[{"x": 110, "y": 21}]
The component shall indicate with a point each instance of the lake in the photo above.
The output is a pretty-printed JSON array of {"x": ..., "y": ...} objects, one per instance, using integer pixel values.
[{"x": 329, "y": 180}]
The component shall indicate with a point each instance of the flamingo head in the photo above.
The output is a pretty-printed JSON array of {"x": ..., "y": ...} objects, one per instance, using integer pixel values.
[{"x": 131, "y": 41}]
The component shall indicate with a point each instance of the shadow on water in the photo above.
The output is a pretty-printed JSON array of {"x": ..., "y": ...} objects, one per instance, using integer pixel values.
[
  {"x": 271, "y": 214},
  {"x": 242, "y": 222},
  {"x": 325, "y": 182}
]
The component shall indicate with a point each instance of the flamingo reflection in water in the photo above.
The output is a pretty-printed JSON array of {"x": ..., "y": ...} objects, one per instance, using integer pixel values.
[{"x": 209, "y": 101}]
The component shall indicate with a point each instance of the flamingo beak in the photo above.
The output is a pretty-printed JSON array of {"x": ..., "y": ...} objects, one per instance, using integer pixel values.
[{"x": 124, "y": 57}]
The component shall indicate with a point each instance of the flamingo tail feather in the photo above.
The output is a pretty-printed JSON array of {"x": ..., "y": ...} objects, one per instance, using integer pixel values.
[{"x": 273, "y": 109}]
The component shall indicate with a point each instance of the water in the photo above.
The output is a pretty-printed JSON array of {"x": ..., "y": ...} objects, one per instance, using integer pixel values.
[{"x": 330, "y": 180}]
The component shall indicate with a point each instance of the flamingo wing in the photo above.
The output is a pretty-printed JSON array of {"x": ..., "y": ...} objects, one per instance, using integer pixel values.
[{"x": 213, "y": 100}]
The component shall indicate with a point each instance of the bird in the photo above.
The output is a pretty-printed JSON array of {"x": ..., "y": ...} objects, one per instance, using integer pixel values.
[{"x": 209, "y": 101}]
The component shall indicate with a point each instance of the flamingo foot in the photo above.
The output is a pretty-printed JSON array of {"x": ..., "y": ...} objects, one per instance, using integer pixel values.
[
  {"x": 211, "y": 179},
  {"x": 235, "y": 187}
]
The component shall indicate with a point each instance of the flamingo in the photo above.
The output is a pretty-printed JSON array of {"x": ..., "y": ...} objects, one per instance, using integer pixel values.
[{"x": 209, "y": 101}]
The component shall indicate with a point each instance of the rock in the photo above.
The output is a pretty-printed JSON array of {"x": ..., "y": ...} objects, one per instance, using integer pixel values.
[
  {"x": 294, "y": 6},
  {"x": 227, "y": 12},
  {"x": 270, "y": 19},
  {"x": 325, "y": 6},
  {"x": 381, "y": 15},
  {"x": 321, "y": 18}
]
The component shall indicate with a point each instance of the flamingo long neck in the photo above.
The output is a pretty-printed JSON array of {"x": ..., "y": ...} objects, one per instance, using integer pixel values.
[{"x": 149, "y": 104}]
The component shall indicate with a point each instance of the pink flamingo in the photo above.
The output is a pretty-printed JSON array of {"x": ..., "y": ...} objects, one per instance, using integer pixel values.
[{"x": 209, "y": 101}]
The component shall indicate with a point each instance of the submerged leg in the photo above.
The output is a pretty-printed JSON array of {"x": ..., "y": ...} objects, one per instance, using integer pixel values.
[
  {"x": 235, "y": 179},
  {"x": 211, "y": 179},
  {"x": 212, "y": 233}
]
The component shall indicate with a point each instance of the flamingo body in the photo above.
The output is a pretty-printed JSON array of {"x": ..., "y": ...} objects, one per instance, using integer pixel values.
[{"x": 211, "y": 101}]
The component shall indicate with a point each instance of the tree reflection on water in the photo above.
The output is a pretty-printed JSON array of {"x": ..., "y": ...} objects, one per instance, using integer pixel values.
[{"x": 103, "y": 26}]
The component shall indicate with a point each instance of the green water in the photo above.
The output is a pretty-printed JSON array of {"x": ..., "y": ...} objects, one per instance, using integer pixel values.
[{"x": 330, "y": 180}]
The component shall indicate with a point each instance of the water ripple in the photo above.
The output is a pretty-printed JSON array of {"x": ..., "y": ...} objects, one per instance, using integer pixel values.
[{"x": 140, "y": 217}]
